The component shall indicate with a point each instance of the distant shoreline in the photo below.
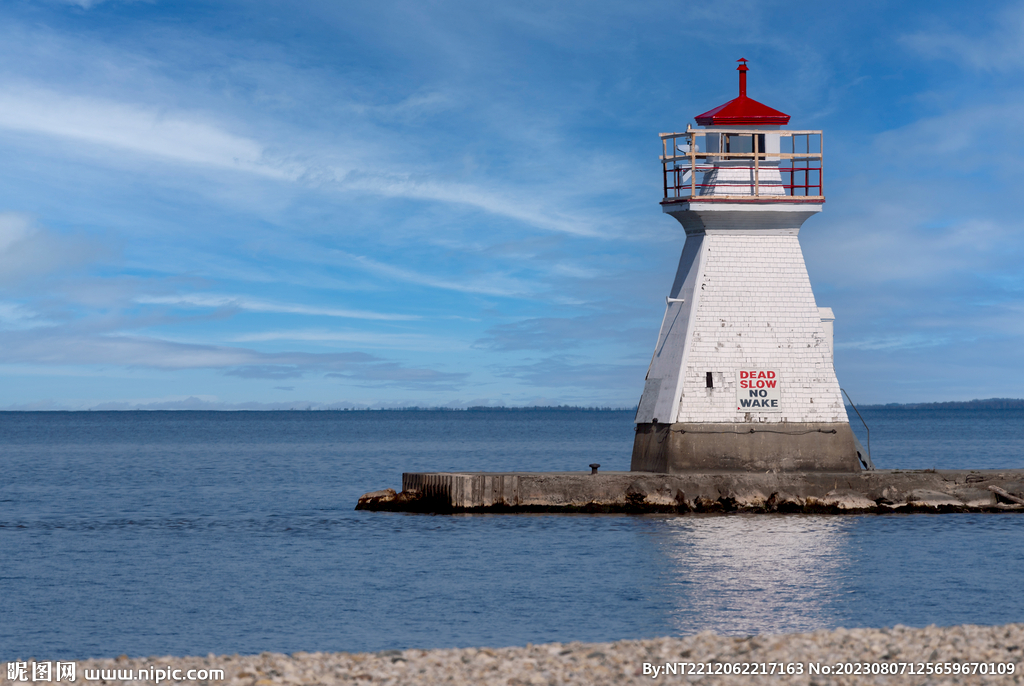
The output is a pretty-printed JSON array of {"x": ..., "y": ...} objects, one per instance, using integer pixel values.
[
  {"x": 990, "y": 403},
  {"x": 326, "y": 408}
]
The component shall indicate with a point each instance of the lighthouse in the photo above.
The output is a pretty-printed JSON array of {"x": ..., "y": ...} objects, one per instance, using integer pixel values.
[{"x": 742, "y": 377}]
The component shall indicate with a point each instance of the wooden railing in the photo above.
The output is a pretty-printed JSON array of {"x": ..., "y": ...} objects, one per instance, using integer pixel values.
[{"x": 699, "y": 151}]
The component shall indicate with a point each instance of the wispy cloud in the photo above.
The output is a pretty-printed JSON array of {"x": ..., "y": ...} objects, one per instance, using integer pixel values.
[
  {"x": 496, "y": 284},
  {"x": 193, "y": 138},
  {"x": 255, "y": 305},
  {"x": 176, "y": 136},
  {"x": 562, "y": 333},
  {"x": 377, "y": 340},
  {"x": 89, "y": 4},
  {"x": 28, "y": 251},
  {"x": 29, "y": 347},
  {"x": 909, "y": 341},
  {"x": 395, "y": 374},
  {"x": 266, "y": 371},
  {"x": 568, "y": 371},
  {"x": 510, "y": 203},
  {"x": 16, "y": 316},
  {"x": 261, "y": 197},
  {"x": 997, "y": 47}
]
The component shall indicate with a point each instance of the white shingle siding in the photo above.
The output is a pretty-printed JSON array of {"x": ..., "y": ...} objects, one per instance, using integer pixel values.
[
  {"x": 751, "y": 307},
  {"x": 737, "y": 178}
]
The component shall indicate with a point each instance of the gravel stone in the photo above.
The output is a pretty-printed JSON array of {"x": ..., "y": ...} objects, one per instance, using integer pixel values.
[{"x": 621, "y": 662}]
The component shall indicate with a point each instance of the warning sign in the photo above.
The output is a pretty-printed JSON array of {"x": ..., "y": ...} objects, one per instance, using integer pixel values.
[{"x": 758, "y": 391}]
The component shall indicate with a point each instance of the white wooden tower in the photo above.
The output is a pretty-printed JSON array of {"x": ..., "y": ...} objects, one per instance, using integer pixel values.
[{"x": 742, "y": 376}]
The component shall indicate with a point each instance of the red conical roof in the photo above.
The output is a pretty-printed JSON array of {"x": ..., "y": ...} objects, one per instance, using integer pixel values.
[{"x": 742, "y": 111}]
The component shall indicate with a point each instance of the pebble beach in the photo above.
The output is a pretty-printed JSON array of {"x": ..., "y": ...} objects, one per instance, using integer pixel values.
[{"x": 812, "y": 658}]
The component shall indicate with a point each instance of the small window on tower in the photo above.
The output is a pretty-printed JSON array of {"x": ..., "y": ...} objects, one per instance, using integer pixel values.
[{"x": 710, "y": 381}]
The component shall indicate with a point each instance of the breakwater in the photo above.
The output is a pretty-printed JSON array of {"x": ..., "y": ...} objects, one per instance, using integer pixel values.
[{"x": 877, "y": 491}]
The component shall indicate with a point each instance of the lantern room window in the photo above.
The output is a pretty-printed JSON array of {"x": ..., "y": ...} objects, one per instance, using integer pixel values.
[{"x": 743, "y": 142}]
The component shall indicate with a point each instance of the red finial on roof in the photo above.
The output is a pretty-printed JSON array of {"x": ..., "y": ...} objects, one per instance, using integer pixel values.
[
  {"x": 742, "y": 111},
  {"x": 742, "y": 69}
]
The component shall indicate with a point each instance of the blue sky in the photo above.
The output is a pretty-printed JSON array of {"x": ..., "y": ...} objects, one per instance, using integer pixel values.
[{"x": 274, "y": 204}]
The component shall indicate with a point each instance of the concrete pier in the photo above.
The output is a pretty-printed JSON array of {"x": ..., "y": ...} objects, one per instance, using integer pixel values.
[{"x": 878, "y": 491}]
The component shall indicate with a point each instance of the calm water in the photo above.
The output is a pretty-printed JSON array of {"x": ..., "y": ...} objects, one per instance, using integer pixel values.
[{"x": 188, "y": 533}]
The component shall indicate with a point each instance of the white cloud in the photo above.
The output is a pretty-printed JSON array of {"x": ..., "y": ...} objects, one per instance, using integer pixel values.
[
  {"x": 493, "y": 284},
  {"x": 575, "y": 271},
  {"x": 191, "y": 138},
  {"x": 506, "y": 203},
  {"x": 962, "y": 138},
  {"x": 89, "y": 4},
  {"x": 14, "y": 316},
  {"x": 13, "y": 229},
  {"x": 937, "y": 209},
  {"x": 178, "y": 136},
  {"x": 908, "y": 341},
  {"x": 999, "y": 49},
  {"x": 893, "y": 243},
  {"x": 119, "y": 351},
  {"x": 395, "y": 341},
  {"x": 28, "y": 250},
  {"x": 255, "y": 305}
]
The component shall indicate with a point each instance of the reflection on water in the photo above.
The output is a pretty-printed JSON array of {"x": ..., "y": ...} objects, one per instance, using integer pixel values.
[{"x": 754, "y": 574}]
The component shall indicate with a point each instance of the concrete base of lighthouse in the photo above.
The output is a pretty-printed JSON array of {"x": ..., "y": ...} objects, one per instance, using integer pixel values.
[{"x": 743, "y": 447}]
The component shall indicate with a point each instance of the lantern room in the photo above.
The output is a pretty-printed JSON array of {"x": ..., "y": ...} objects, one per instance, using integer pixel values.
[{"x": 742, "y": 153}]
